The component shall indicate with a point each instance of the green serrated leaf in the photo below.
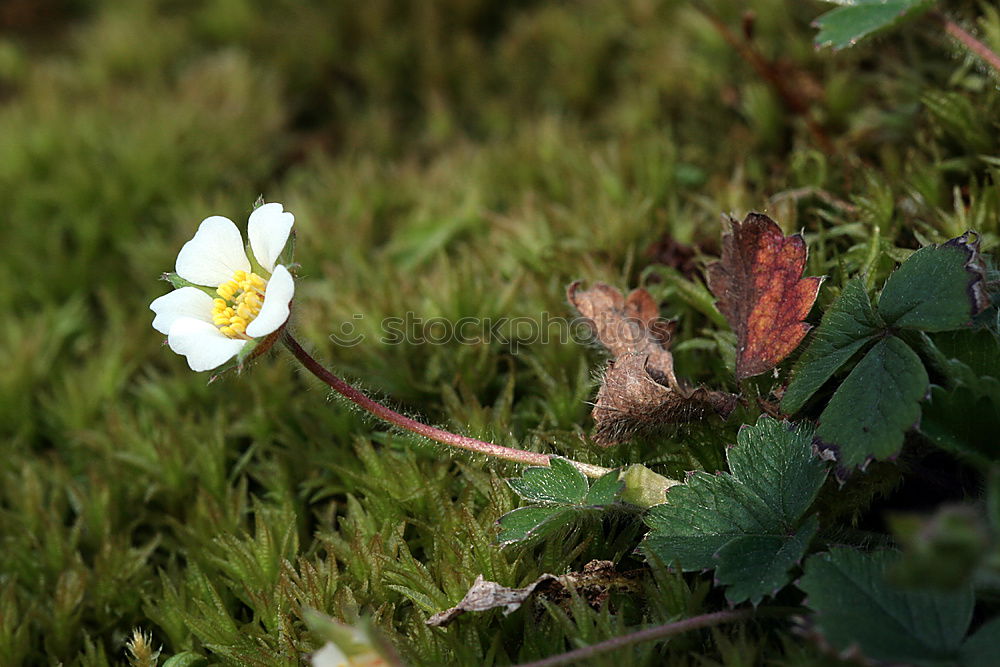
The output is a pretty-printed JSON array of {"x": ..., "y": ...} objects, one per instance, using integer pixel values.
[
  {"x": 876, "y": 404},
  {"x": 559, "y": 483},
  {"x": 702, "y": 516},
  {"x": 561, "y": 493},
  {"x": 856, "y": 605},
  {"x": 846, "y": 327},
  {"x": 759, "y": 505},
  {"x": 848, "y": 24},
  {"x": 776, "y": 461},
  {"x": 526, "y": 522},
  {"x": 754, "y": 566},
  {"x": 605, "y": 490},
  {"x": 937, "y": 289}
]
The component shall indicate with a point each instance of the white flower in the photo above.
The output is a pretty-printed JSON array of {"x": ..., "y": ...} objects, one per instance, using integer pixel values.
[
  {"x": 224, "y": 305},
  {"x": 329, "y": 656}
]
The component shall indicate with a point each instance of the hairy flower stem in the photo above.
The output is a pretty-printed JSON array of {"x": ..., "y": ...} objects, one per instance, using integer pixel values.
[
  {"x": 650, "y": 634},
  {"x": 970, "y": 42},
  {"x": 438, "y": 435}
]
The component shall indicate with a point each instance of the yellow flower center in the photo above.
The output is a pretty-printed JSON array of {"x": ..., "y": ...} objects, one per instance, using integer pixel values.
[{"x": 240, "y": 300}]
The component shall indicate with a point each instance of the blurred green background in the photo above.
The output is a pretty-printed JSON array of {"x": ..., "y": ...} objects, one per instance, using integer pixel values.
[{"x": 457, "y": 158}]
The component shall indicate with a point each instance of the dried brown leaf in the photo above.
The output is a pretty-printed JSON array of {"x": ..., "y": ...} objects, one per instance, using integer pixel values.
[
  {"x": 593, "y": 583},
  {"x": 631, "y": 403},
  {"x": 640, "y": 394},
  {"x": 628, "y": 325},
  {"x": 760, "y": 289}
]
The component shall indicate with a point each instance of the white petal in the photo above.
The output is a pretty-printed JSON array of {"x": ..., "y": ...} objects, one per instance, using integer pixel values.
[
  {"x": 202, "y": 343},
  {"x": 274, "y": 312},
  {"x": 183, "y": 302},
  {"x": 214, "y": 254},
  {"x": 268, "y": 232},
  {"x": 329, "y": 656}
]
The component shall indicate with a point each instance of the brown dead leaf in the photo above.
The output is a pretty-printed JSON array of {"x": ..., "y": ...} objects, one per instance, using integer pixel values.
[
  {"x": 628, "y": 325},
  {"x": 760, "y": 289},
  {"x": 593, "y": 583},
  {"x": 630, "y": 402},
  {"x": 640, "y": 394}
]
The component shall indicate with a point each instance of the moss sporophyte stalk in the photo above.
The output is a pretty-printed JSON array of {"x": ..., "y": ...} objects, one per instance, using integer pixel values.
[{"x": 232, "y": 302}]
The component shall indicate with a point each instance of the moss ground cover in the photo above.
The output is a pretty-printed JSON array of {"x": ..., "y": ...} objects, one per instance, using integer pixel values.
[{"x": 447, "y": 160}]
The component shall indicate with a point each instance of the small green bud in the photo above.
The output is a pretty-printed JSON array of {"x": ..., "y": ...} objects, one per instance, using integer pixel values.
[{"x": 643, "y": 487}]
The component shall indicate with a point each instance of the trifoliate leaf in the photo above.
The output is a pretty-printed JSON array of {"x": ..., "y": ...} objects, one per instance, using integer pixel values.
[
  {"x": 858, "y": 19},
  {"x": 754, "y": 512},
  {"x": 857, "y": 607},
  {"x": 560, "y": 493},
  {"x": 846, "y": 327},
  {"x": 559, "y": 483},
  {"x": 940, "y": 287},
  {"x": 870, "y": 412}
]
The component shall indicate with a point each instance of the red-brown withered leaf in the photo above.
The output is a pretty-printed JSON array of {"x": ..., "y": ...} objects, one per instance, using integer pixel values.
[
  {"x": 640, "y": 393},
  {"x": 761, "y": 291},
  {"x": 628, "y": 325}
]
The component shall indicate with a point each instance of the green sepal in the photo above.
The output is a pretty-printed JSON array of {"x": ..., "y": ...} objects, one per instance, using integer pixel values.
[
  {"x": 287, "y": 256},
  {"x": 643, "y": 487},
  {"x": 179, "y": 282},
  {"x": 255, "y": 266}
]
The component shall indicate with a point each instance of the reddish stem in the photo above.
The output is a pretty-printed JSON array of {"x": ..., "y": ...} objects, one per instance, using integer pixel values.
[
  {"x": 430, "y": 432},
  {"x": 973, "y": 44}
]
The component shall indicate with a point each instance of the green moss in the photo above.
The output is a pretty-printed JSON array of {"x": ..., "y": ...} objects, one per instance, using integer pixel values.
[{"x": 450, "y": 159}]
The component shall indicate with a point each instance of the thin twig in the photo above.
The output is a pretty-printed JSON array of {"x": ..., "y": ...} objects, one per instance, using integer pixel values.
[
  {"x": 650, "y": 634},
  {"x": 790, "y": 96},
  {"x": 425, "y": 430}
]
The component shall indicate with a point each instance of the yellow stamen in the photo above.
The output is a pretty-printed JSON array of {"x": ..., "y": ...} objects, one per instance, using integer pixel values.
[{"x": 239, "y": 302}]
